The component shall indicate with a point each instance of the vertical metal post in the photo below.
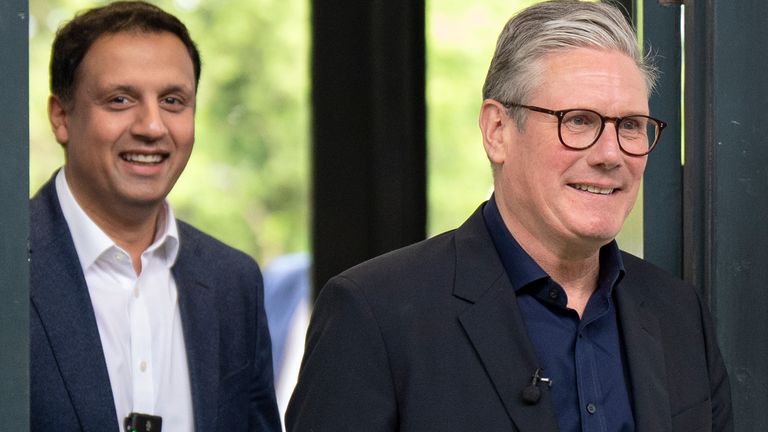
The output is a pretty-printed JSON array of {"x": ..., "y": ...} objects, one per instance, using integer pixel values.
[
  {"x": 699, "y": 144},
  {"x": 662, "y": 193},
  {"x": 369, "y": 130},
  {"x": 14, "y": 219}
]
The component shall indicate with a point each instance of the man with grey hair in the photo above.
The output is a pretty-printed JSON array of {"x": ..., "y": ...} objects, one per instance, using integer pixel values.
[{"x": 528, "y": 317}]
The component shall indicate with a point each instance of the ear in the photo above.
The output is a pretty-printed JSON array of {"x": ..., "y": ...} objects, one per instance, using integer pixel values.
[
  {"x": 493, "y": 122},
  {"x": 57, "y": 115}
]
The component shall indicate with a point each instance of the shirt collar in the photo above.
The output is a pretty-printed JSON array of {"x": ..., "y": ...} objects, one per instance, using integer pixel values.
[
  {"x": 611, "y": 266},
  {"x": 166, "y": 238},
  {"x": 523, "y": 270},
  {"x": 91, "y": 241}
]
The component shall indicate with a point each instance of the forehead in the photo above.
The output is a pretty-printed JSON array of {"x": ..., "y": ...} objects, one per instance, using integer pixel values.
[
  {"x": 136, "y": 56},
  {"x": 591, "y": 78}
]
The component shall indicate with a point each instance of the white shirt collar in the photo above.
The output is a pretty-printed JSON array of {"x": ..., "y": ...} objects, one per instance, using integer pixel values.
[{"x": 91, "y": 241}]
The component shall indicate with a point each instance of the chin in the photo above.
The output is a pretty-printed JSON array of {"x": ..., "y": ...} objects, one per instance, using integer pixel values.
[
  {"x": 599, "y": 234},
  {"x": 142, "y": 201}
]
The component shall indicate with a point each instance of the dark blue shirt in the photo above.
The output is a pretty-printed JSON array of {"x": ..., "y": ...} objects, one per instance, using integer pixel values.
[{"x": 582, "y": 357}]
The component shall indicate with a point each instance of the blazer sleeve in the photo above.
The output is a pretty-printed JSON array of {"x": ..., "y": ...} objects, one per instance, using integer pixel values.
[
  {"x": 345, "y": 382},
  {"x": 263, "y": 412},
  {"x": 720, "y": 390}
]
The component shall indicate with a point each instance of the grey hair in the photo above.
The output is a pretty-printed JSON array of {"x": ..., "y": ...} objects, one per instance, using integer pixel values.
[{"x": 553, "y": 26}]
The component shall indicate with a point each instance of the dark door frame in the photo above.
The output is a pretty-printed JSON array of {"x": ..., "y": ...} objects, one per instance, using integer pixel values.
[{"x": 14, "y": 220}]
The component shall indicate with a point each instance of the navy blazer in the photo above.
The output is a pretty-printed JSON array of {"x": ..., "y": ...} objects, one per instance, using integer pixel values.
[
  {"x": 220, "y": 298},
  {"x": 430, "y": 338}
]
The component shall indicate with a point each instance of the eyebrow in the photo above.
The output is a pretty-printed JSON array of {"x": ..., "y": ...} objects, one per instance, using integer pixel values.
[{"x": 130, "y": 89}]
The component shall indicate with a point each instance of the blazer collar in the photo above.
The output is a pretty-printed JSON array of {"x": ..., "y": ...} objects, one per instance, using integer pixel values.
[
  {"x": 641, "y": 335},
  {"x": 494, "y": 326},
  {"x": 59, "y": 295},
  {"x": 199, "y": 315}
]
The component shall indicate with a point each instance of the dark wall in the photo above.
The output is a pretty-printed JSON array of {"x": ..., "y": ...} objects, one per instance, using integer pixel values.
[
  {"x": 726, "y": 179},
  {"x": 14, "y": 181}
]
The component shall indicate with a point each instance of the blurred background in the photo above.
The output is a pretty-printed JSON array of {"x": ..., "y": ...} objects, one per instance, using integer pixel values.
[{"x": 247, "y": 182}]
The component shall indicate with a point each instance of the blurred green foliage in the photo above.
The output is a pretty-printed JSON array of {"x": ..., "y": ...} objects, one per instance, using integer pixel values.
[
  {"x": 461, "y": 39},
  {"x": 247, "y": 180}
]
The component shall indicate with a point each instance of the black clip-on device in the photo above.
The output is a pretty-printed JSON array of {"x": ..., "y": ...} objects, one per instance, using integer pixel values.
[{"x": 136, "y": 422}]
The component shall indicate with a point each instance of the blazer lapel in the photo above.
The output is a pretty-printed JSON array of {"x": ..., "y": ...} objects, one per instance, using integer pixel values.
[
  {"x": 495, "y": 328},
  {"x": 645, "y": 358},
  {"x": 59, "y": 294},
  {"x": 200, "y": 321}
]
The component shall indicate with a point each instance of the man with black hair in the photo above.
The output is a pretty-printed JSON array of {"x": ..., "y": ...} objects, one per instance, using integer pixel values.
[{"x": 138, "y": 320}]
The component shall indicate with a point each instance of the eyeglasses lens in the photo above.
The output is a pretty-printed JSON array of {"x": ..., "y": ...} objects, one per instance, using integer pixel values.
[{"x": 581, "y": 128}]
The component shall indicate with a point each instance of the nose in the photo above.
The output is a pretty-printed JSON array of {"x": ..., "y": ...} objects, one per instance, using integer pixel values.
[
  {"x": 606, "y": 152},
  {"x": 149, "y": 125}
]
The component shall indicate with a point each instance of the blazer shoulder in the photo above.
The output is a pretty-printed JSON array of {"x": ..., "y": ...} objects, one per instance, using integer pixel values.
[
  {"x": 45, "y": 216},
  {"x": 640, "y": 271},
  {"x": 207, "y": 250},
  {"x": 429, "y": 269},
  {"x": 422, "y": 258},
  {"x": 668, "y": 296}
]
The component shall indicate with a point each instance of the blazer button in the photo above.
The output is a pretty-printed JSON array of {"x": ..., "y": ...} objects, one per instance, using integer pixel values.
[{"x": 591, "y": 408}]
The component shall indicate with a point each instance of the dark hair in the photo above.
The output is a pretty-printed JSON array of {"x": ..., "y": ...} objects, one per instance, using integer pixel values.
[{"x": 76, "y": 37}]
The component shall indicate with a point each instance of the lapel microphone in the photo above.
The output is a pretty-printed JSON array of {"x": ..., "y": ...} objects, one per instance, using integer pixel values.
[
  {"x": 137, "y": 422},
  {"x": 532, "y": 393}
]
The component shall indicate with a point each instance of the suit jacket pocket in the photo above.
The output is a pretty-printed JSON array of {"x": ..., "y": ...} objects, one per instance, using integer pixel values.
[{"x": 696, "y": 418}]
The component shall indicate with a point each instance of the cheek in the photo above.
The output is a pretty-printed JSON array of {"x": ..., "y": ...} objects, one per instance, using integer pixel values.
[
  {"x": 183, "y": 132},
  {"x": 83, "y": 159},
  {"x": 98, "y": 129},
  {"x": 554, "y": 167},
  {"x": 636, "y": 167}
]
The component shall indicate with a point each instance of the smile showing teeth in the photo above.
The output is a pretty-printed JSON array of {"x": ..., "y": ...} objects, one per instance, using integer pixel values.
[
  {"x": 143, "y": 158},
  {"x": 593, "y": 189}
]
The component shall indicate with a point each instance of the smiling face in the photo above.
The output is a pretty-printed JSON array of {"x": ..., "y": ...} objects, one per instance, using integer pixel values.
[
  {"x": 129, "y": 129},
  {"x": 569, "y": 201}
]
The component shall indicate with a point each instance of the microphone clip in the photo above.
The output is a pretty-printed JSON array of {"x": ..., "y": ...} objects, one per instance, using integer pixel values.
[{"x": 532, "y": 393}]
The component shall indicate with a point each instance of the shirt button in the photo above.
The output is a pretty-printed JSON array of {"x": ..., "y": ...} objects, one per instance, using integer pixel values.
[
  {"x": 591, "y": 408},
  {"x": 553, "y": 294},
  {"x": 136, "y": 292},
  {"x": 143, "y": 366}
]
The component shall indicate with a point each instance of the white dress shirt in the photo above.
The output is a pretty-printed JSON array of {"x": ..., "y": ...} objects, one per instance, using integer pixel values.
[{"x": 137, "y": 316}]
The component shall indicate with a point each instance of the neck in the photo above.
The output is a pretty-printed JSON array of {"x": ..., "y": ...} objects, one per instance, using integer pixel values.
[
  {"x": 575, "y": 267},
  {"x": 578, "y": 279},
  {"x": 133, "y": 229}
]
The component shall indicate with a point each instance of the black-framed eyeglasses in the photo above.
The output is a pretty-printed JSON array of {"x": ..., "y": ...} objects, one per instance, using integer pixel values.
[{"x": 580, "y": 128}]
